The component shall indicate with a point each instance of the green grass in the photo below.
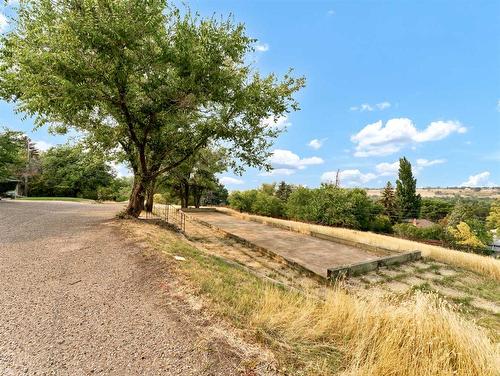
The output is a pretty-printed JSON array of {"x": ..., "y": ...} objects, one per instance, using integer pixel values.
[{"x": 72, "y": 199}]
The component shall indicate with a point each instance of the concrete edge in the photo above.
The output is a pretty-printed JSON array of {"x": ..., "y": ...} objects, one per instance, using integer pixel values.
[
  {"x": 198, "y": 210},
  {"x": 365, "y": 267}
]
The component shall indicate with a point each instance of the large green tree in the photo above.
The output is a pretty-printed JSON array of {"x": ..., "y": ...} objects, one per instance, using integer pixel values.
[
  {"x": 406, "y": 191},
  {"x": 72, "y": 171},
  {"x": 11, "y": 153},
  {"x": 144, "y": 80}
]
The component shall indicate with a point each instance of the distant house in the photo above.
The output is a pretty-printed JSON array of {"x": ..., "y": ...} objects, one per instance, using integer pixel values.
[{"x": 421, "y": 223}]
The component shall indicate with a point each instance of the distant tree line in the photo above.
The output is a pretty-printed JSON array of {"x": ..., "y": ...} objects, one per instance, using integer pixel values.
[
  {"x": 79, "y": 171},
  {"x": 466, "y": 224},
  {"x": 61, "y": 171}
]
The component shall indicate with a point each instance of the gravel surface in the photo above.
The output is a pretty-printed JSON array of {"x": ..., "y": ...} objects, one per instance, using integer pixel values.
[{"x": 78, "y": 298}]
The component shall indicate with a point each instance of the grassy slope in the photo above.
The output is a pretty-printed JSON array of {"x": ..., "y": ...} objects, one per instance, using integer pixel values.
[{"x": 414, "y": 335}]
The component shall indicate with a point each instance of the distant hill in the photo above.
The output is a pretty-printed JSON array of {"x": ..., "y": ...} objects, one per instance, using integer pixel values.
[{"x": 486, "y": 192}]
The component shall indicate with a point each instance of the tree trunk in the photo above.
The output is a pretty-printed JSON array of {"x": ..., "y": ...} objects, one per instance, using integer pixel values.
[
  {"x": 185, "y": 195},
  {"x": 150, "y": 191},
  {"x": 197, "y": 193},
  {"x": 136, "y": 201}
]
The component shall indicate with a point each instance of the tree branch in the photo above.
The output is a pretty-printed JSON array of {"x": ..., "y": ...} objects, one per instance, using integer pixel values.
[{"x": 183, "y": 159}]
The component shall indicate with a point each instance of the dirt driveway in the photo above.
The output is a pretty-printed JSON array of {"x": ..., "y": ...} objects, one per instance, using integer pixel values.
[{"x": 78, "y": 298}]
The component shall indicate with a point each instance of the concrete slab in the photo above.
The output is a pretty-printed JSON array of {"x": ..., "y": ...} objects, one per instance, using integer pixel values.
[{"x": 307, "y": 252}]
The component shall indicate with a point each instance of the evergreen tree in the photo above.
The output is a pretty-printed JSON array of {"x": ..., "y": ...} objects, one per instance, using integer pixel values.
[
  {"x": 389, "y": 202},
  {"x": 283, "y": 191},
  {"x": 408, "y": 201}
]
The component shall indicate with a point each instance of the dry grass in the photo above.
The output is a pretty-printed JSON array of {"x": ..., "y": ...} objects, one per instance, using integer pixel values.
[
  {"x": 480, "y": 264},
  {"x": 417, "y": 334}
]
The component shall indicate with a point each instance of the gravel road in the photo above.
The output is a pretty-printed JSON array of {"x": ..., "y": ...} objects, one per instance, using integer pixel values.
[{"x": 79, "y": 298}]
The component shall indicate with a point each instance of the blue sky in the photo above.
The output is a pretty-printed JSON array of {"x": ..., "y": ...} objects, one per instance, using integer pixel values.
[{"x": 384, "y": 79}]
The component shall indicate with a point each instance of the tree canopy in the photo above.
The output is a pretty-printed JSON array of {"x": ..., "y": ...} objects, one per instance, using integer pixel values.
[
  {"x": 73, "y": 172},
  {"x": 196, "y": 175},
  {"x": 11, "y": 156},
  {"x": 144, "y": 80}
]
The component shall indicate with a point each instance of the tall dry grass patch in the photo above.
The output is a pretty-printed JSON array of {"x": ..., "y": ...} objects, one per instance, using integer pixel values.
[
  {"x": 480, "y": 264},
  {"x": 340, "y": 333},
  {"x": 419, "y": 336}
]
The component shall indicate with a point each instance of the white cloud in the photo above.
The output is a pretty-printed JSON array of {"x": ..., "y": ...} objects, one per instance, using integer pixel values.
[
  {"x": 4, "y": 23},
  {"x": 285, "y": 162},
  {"x": 331, "y": 12},
  {"x": 391, "y": 169},
  {"x": 286, "y": 159},
  {"x": 421, "y": 162},
  {"x": 355, "y": 177},
  {"x": 277, "y": 123},
  {"x": 229, "y": 180},
  {"x": 279, "y": 171},
  {"x": 376, "y": 139},
  {"x": 387, "y": 169},
  {"x": 348, "y": 177},
  {"x": 363, "y": 107},
  {"x": 383, "y": 105},
  {"x": 437, "y": 130},
  {"x": 262, "y": 47},
  {"x": 316, "y": 144},
  {"x": 371, "y": 107},
  {"x": 478, "y": 180},
  {"x": 42, "y": 145}
]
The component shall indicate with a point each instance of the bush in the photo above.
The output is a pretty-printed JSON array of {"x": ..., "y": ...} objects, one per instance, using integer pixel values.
[
  {"x": 408, "y": 230},
  {"x": 333, "y": 206},
  {"x": 464, "y": 235},
  {"x": 381, "y": 223},
  {"x": 302, "y": 205},
  {"x": 435, "y": 209},
  {"x": 242, "y": 200},
  {"x": 265, "y": 204}
]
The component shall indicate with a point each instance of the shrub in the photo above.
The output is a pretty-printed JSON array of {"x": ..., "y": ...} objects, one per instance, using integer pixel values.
[
  {"x": 338, "y": 207},
  {"x": 381, "y": 223},
  {"x": 333, "y": 206},
  {"x": 303, "y": 205},
  {"x": 465, "y": 236},
  {"x": 408, "y": 230},
  {"x": 435, "y": 209},
  {"x": 265, "y": 204},
  {"x": 242, "y": 200}
]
